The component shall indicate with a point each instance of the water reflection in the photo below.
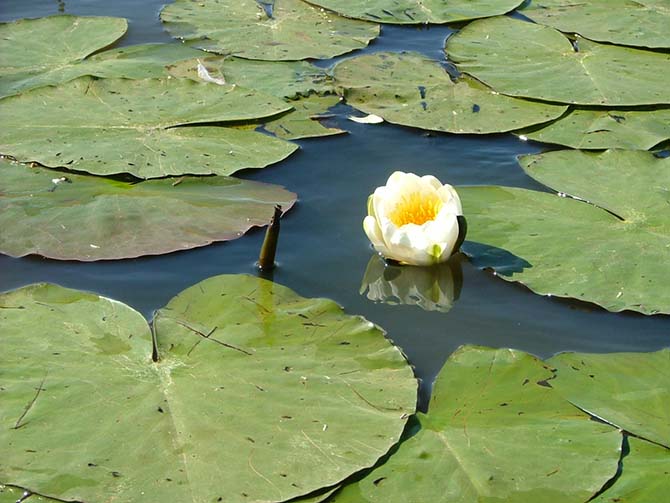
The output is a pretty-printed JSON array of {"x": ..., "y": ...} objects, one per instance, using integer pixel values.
[{"x": 433, "y": 288}]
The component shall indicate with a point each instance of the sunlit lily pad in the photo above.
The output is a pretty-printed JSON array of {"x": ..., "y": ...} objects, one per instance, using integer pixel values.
[
  {"x": 258, "y": 394},
  {"x": 495, "y": 431},
  {"x": 412, "y": 90},
  {"x": 304, "y": 121},
  {"x": 641, "y": 23},
  {"x": 628, "y": 390},
  {"x": 611, "y": 252},
  {"x": 14, "y": 494},
  {"x": 295, "y": 30},
  {"x": 112, "y": 126},
  {"x": 528, "y": 60},
  {"x": 603, "y": 129},
  {"x": 92, "y": 218},
  {"x": 418, "y": 11}
]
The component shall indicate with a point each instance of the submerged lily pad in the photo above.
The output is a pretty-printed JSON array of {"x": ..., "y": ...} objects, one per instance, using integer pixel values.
[
  {"x": 528, "y": 60},
  {"x": 628, "y": 390},
  {"x": 642, "y": 23},
  {"x": 258, "y": 394},
  {"x": 418, "y": 11},
  {"x": 92, "y": 218},
  {"x": 412, "y": 90},
  {"x": 603, "y": 129},
  {"x": 285, "y": 30},
  {"x": 495, "y": 431},
  {"x": 113, "y": 126},
  {"x": 610, "y": 252}
]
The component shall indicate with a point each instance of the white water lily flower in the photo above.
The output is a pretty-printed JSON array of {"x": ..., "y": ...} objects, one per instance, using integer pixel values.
[{"x": 413, "y": 219}]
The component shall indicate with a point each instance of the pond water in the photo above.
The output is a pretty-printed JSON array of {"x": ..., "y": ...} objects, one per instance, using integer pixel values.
[{"x": 323, "y": 251}]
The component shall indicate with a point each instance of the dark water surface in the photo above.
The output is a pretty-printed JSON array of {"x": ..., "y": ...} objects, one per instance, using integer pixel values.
[{"x": 323, "y": 251}]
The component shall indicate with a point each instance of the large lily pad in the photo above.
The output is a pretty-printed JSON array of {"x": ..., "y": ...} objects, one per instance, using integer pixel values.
[
  {"x": 290, "y": 30},
  {"x": 528, "y": 60},
  {"x": 418, "y": 11},
  {"x": 258, "y": 395},
  {"x": 628, "y": 390},
  {"x": 495, "y": 431},
  {"x": 304, "y": 121},
  {"x": 641, "y": 23},
  {"x": 412, "y": 90},
  {"x": 603, "y": 129},
  {"x": 126, "y": 126},
  {"x": 92, "y": 218},
  {"x": 611, "y": 252}
]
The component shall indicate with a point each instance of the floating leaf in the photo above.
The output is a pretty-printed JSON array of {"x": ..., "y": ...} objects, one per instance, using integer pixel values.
[
  {"x": 294, "y": 31},
  {"x": 126, "y": 126},
  {"x": 495, "y": 431},
  {"x": 115, "y": 220},
  {"x": 611, "y": 252},
  {"x": 14, "y": 495},
  {"x": 412, "y": 90},
  {"x": 259, "y": 394},
  {"x": 532, "y": 61},
  {"x": 628, "y": 390},
  {"x": 303, "y": 122},
  {"x": 418, "y": 11},
  {"x": 642, "y": 23},
  {"x": 603, "y": 129}
]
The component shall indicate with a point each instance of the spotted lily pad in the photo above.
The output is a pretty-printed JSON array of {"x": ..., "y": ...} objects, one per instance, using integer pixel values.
[
  {"x": 115, "y": 220},
  {"x": 113, "y": 126},
  {"x": 641, "y": 23},
  {"x": 608, "y": 246},
  {"x": 412, "y": 90},
  {"x": 528, "y": 60},
  {"x": 284, "y": 30},
  {"x": 254, "y": 394},
  {"x": 418, "y": 11}
]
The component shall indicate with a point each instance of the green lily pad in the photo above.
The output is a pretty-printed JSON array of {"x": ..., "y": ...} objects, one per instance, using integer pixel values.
[
  {"x": 603, "y": 129},
  {"x": 642, "y": 23},
  {"x": 412, "y": 90},
  {"x": 418, "y": 11},
  {"x": 528, "y": 60},
  {"x": 113, "y": 126},
  {"x": 14, "y": 494},
  {"x": 92, "y": 218},
  {"x": 495, "y": 431},
  {"x": 243, "y": 28},
  {"x": 258, "y": 394},
  {"x": 303, "y": 122},
  {"x": 645, "y": 475},
  {"x": 628, "y": 390},
  {"x": 609, "y": 252}
]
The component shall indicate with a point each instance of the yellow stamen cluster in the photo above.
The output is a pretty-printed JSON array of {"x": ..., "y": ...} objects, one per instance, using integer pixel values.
[{"x": 416, "y": 208}]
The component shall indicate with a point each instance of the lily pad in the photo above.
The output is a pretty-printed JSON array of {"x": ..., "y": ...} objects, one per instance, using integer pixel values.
[
  {"x": 303, "y": 122},
  {"x": 418, "y": 11},
  {"x": 603, "y": 129},
  {"x": 15, "y": 494},
  {"x": 285, "y": 30},
  {"x": 628, "y": 390},
  {"x": 75, "y": 217},
  {"x": 258, "y": 394},
  {"x": 113, "y": 126},
  {"x": 607, "y": 247},
  {"x": 642, "y": 23},
  {"x": 412, "y": 90},
  {"x": 495, "y": 431},
  {"x": 528, "y": 60}
]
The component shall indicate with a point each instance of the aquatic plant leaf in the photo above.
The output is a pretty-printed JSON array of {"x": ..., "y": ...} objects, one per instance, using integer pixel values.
[
  {"x": 604, "y": 247},
  {"x": 113, "y": 126},
  {"x": 77, "y": 217},
  {"x": 642, "y": 23},
  {"x": 292, "y": 30},
  {"x": 497, "y": 52},
  {"x": 496, "y": 430},
  {"x": 645, "y": 475},
  {"x": 303, "y": 121},
  {"x": 604, "y": 129},
  {"x": 628, "y": 390},
  {"x": 259, "y": 394},
  {"x": 15, "y": 494},
  {"x": 418, "y": 11},
  {"x": 412, "y": 90}
]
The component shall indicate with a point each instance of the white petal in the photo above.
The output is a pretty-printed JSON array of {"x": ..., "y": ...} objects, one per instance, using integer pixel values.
[
  {"x": 432, "y": 181},
  {"x": 368, "y": 119},
  {"x": 451, "y": 198},
  {"x": 372, "y": 230}
]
